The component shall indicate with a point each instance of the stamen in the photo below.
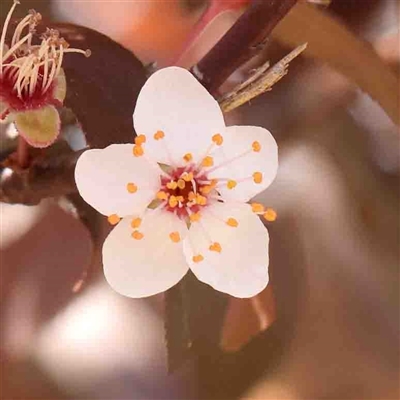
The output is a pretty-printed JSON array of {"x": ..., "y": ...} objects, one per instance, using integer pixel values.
[
  {"x": 187, "y": 176},
  {"x": 201, "y": 200},
  {"x": 140, "y": 139},
  {"x": 136, "y": 222},
  {"x": 173, "y": 201},
  {"x": 131, "y": 187},
  {"x": 172, "y": 185},
  {"x": 159, "y": 135},
  {"x": 257, "y": 177},
  {"x": 138, "y": 150},
  {"x": 197, "y": 258},
  {"x": 137, "y": 235},
  {"x": 257, "y": 208},
  {"x": 270, "y": 215},
  {"x": 231, "y": 184},
  {"x": 175, "y": 237},
  {"x": 195, "y": 217},
  {"x": 191, "y": 196},
  {"x": 215, "y": 247},
  {"x": 188, "y": 157},
  {"x": 232, "y": 222},
  {"x": 207, "y": 161},
  {"x": 113, "y": 219},
  {"x": 218, "y": 139},
  {"x": 161, "y": 195},
  {"x": 256, "y": 147},
  {"x": 3, "y": 33},
  {"x": 181, "y": 184}
]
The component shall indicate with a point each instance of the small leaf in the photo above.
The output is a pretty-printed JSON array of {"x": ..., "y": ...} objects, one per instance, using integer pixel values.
[{"x": 40, "y": 128}]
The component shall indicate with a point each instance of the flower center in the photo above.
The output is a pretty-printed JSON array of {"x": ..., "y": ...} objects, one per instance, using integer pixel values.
[{"x": 186, "y": 191}]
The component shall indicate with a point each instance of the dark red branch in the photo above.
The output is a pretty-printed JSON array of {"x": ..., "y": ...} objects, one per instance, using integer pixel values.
[{"x": 241, "y": 42}]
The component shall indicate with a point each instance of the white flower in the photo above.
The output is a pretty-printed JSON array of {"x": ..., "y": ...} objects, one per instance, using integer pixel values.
[{"x": 197, "y": 175}]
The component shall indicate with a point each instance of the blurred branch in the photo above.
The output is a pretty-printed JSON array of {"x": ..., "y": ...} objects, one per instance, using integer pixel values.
[
  {"x": 242, "y": 42},
  {"x": 260, "y": 82}
]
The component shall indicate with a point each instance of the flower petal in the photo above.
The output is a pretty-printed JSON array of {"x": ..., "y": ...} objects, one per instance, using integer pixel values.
[
  {"x": 239, "y": 140},
  {"x": 40, "y": 127},
  {"x": 241, "y": 268},
  {"x": 102, "y": 176},
  {"x": 141, "y": 268},
  {"x": 174, "y": 102}
]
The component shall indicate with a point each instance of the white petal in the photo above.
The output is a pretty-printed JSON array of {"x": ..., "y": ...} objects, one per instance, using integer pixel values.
[
  {"x": 173, "y": 101},
  {"x": 241, "y": 269},
  {"x": 102, "y": 176},
  {"x": 141, "y": 268},
  {"x": 238, "y": 140}
]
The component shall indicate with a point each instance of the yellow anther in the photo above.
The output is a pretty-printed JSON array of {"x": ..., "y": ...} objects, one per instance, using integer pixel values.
[
  {"x": 137, "y": 150},
  {"x": 257, "y": 177},
  {"x": 231, "y": 184},
  {"x": 175, "y": 237},
  {"x": 131, "y": 187},
  {"x": 201, "y": 200},
  {"x": 256, "y": 147},
  {"x": 159, "y": 135},
  {"x": 191, "y": 196},
  {"x": 140, "y": 139},
  {"x": 114, "y": 219},
  {"x": 232, "y": 222},
  {"x": 181, "y": 184},
  {"x": 180, "y": 198},
  {"x": 135, "y": 223},
  {"x": 172, "y": 185},
  {"x": 207, "y": 161},
  {"x": 257, "y": 208},
  {"x": 173, "y": 201},
  {"x": 218, "y": 139},
  {"x": 161, "y": 195},
  {"x": 270, "y": 215},
  {"x": 188, "y": 157},
  {"x": 206, "y": 189},
  {"x": 215, "y": 247},
  {"x": 137, "y": 235},
  {"x": 187, "y": 176},
  {"x": 198, "y": 258},
  {"x": 195, "y": 217}
]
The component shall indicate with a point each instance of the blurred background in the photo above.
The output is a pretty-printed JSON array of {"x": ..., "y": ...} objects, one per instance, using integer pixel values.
[{"x": 334, "y": 247}]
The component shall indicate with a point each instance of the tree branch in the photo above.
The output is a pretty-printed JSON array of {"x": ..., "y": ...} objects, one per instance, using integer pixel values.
[{"x": 242, "y": 42}]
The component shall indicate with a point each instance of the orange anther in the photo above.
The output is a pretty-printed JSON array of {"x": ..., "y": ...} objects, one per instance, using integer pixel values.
[
  {"x": 161, "y": 195},
  {"x": 172, "y": 185},
  {"x": 257, "y": 208},
  {"x": 232, "y": 222},
  {"x": 256, "y": 146},
  {"x": 215, "y": 247},
  {"x": 114, "y": 219},
  {"x": 191, "y": 196},
  {"x": 180, "y": 198},
  {"x": 131, "y": 187},
  {"x": 198, "y": 258},
  {"x": 206, "y": 189},
  {"x": 173, "y": 201},
  {"x": 137, "y": 150},
  {"x": 188, "y": 177},
  {"x": 181, "y": 184},
  {"x": 175, "y": 237},
  {"x": 188, "y": 157},
  {"x": 218, "y": 139},
  {"x": 195, "y": 217},
  {"x": 257, "y": 177},
  {"x": 137, "y": 235},
  {"x": 231, "y": 184},
  {"x": 159, "y": 135},
  {"x": 270, "y": 215},
  {"x": 201, "y": 200},
  {"x": 207, "y": 161},
  {"x": 135, "y": 223},
  {"x": 140, "y": 139}
]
